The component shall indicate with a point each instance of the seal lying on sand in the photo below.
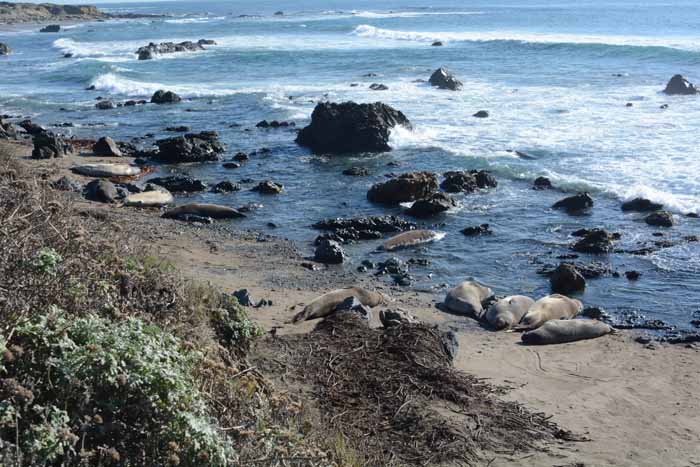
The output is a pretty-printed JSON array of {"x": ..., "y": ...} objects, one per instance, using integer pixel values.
[
  {"x": 326, "y": 303},
  {"x": 508, "y": 311},
  {"x": 567, "y": 330},
  {"x": 411, "y": 238},
  {"x": 551, "y": 307},
  {"x": 106, "y": 170},
  {"x": 149, "y": 199},
  {"x": 213, "y": 211},
  {"x": 467, "y": 299}
]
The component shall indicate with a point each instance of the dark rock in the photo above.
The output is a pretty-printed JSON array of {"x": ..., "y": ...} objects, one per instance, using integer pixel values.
[
  {"x": 178, "y": 129},
  {"x": 467, "y": 181},
  {"x": 356, "y": 172},
  {"x": 201, "y": 147},
  {"x": 165, "y": 97},
  {"x": 431, "y": 206},
  {"x": 231, "y": 165},
  {"x": 482, "y": 229},
  {"x": 106, "y": 146},
  {"x": 149, "y": 51},
  {"x": 393, "y": 318},
  {"x": 641, "y": 205},
  {"x": 378, "y": 87},
  {"x": 241, "y": 157},
  {"x": 437, "y": 44},
  {"x": 51, "y": 28},
  {"x": 329, "y": 252},
  {"x": 274, "y": 124},
  {"x": 402, "y": 280},
  {"x": 629, "y": 104},
  {"x": 102, "y": 191},
  {"x": 105, "y": 105},
  {"x": 660, "y": 219},
  {"x": 542, "y": 183},
  {"x": 225, "y": 187},
  {"x": 633, "y": 275},
  {"x": 481, "y": 114},
  {"x": 66, "y": 184},
  {"x": 67, "y": 55},
  {"x": 364, "y": 228},
  {"x": 678, "y": 85},
  {"x": 179, "y": 184},
  {"x": 392, "y": 266},
  {"x": 484, "y": 179},
  {"x": 268, "y": 187},
  {"x": 5, "y": 49},
  {"x": 279, "y": 13},
  {"x": 350, "y": 128},
  {"x": 566, "y": 279},
  {"x": 443, "y": 79},
  {"x": 406, "y": 187},
  {"x": 575, "y": 204},
  {"x": 595, "y": 241},
  {"x": 49, "y": 146}
]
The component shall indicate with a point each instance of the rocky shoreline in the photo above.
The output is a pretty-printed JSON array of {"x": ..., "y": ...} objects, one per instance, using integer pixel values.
[{"x": 23, "y": 13}]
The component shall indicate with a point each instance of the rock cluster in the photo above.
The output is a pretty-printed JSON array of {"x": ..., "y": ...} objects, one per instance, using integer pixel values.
[
  {"x": 192, "y": 147},
  {"x": 150, "y": 51}
]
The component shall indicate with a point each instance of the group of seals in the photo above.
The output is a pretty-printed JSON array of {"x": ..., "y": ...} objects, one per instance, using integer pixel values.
[
  {"x": 548, "y": 320},
  {"x": 327, "y": 303}
]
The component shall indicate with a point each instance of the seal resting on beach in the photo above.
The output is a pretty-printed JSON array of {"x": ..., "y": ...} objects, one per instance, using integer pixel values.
[
  {"x": 508, "y": 311},
  {"x": 325, "y": 304},
  {"x": 149, "y": 199},
  {"x": 467, "y": 299},
  {"x": 411, "y": 238},
  {"x": 106, "y": 170},
  {"x": 213, "y": 211},
  {"x": 551, "y": 307},
  {"x": 567, "y": 330}
]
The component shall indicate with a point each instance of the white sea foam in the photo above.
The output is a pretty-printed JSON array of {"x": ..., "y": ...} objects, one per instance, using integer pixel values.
[
  {"x": 117, "y": 49},
  {"x": 411, "y": 14},
  {"x": 196, "y": 20},
  {"x": 683, "y": 43}
]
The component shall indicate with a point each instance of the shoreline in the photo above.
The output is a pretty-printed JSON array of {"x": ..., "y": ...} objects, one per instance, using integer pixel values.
[{"x": 607, "y": 390}]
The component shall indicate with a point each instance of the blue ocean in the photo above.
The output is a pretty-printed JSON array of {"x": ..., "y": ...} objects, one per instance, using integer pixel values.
[{"x": 555, "y": 76}]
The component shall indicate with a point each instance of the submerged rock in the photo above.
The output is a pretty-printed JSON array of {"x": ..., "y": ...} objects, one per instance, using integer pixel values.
[
  {"x": 179, "y": 183},
  {"x": 641, "y": 205},
  {"x": 443, "y": 79},
  {"x": 595, "y": 241},
  {"x": 201, "y": 147},
  {"x": 378, "y": 87},
  {"x": 483, "y": 229},
  {"x": 150, "y": 51},
  {"x": 406, "y": 187},
  {"x": 575, "y": 204},
  {"x": 225, "y": 187},
  {"x": 356, "y": 172},
  {"x": 660, "y": 219},
  {"x": 351, "y": 128},
  {"x": 431, "y": 206},
  {"x": 105, "y": 105},
  {"x": 268, "y": 187},
  {"x": 468, "y": 181},
  {"x": 542, "y": 183},
  {"x": 678, "y": 85}
]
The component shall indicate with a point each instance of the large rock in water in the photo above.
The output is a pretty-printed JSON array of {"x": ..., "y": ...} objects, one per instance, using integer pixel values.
[
  {"x": 179, "y": 183},
  {"x": 201, "y": 147},
  {"x": 468, "y": 181},
  {"x": 575, "y": 204},
  {"x": 406, "y": 187},
  {"x": 595, "y": 241},
  {"x": 51, "y": 28},
  {"x": 150, "y": 51},
  {"x": 5, "y": 49},
  {"x": 443, "y": 79},
  {"x": 49, "y": 146},
  {"x": 106, "y": 146},
  {"x": 678, "y": 85},
  {"x": 431, "y": 206},
  {"x": 165, "y": 97},
  {"x": 641, "y": 205},
  {"x": 660, "y": 219},
  {"x": 350, "y": 128}
]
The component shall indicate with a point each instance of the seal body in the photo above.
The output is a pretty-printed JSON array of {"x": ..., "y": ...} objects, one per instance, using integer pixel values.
[
  {"x": 204, "y": 210},
  {"x": 411, "y": 238},
  {"x": 106, "y": 170},
  {"x": 326, "y": 303},
  {"x": 551, "y": 307},
  {"x": 508, "y": 311},
  {"x": 149, "y": 199},
  {"x": 467, "y": 298},
  {"x": 568, "y": 330}
]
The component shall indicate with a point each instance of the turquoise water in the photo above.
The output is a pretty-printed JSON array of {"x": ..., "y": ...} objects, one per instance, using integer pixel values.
[{"x": 555, "y": 76}]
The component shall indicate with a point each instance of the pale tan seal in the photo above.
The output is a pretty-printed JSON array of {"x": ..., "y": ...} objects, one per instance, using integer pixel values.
[
  {"x": 566, "y": 330},
  {"x": 106, "y": 170},
  {"x": 467, "y": 299},
  {"x": 508, "y": 311},
  {"x": 325, "y": 304},
  {"x": 149, "y": 199},
  {"x": 412, "y": 238},
  {"x": 204, "y": 210},
  {"x": 551, "y": 307}
]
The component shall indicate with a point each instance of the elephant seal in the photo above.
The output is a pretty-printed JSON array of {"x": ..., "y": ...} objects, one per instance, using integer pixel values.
[
  {"x": 149, "y": 199},
  {"x": 325, "y": 304},
  {"x": 213, "y": 211},
  {"x": 106, "y": 170},
  {"x": 508, "y": 311},
  {"x": 566, "y": 330},
  {"x": 467, "y": 299},
  {"x": 551, "y": 307},
  {"x": 411, "y": 238}
]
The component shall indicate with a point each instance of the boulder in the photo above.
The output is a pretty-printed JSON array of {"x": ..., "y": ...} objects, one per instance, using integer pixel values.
[
  {"x": 106, "y": 146},
  {"x": 595, "y": 241},
  {"x": 443, "y": 79},
  {"x": 177, "y": 129},
  {"x": 329, "y": 252},
  {"x": 575, "y": 204},
  {"x": 364, "y": 228},
  {"x": 105, "y": 105},
  {"x": 641, "y": 205},
  {"x": 241, "y": 157},
  {"x": 542, "y": 183},
  {"x": 49, "y": 146},
  {"x": 678, "y": 85},
  {"x": 200, "y": 147},
  {"x": 481, "y": 114},
  {"x": 179, "y": 184},
  {"x": 483, "y": 229},
  {"x": 431, "y": 206},
  {"x": 356, "y": 172},
  {"x": 660, "y": 219},
  {"x": 5, "y": 49},
  {"x": 165, "y": 97},
  {"x": 225, "y": 187},
  {"x": 274, "y": 124},
  {"x": 567, "y": 279},
  {"x": 437, "y": 44},
  {"x": 148, "y": 52},
  {"x": 406, "y": 187},
  {"x": 51, "y": 28},
  {"x": 468, "y": 181},
  {"x": 484, "y": 179},
  {"x": 350, "y": 128},
  {"x": 102, "y": 191},
  {"x": 268, "y": 188},
  {"x": 378, "y": 87}
]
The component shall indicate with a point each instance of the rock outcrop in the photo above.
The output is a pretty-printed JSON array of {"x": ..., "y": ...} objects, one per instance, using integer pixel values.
[
  {"x": 566, "y": 279},
  {"x": 179, "y": 184},
  {"x": 150, "y": 51},
  {"x": 165, "y": 97},
  {"x": 431, "y": 206},
  {"x": 679, "y": 86},
  {"x": 468, "y": 181},
  {"x": 192, "y": 147},
  {"x": 575, "y": 204},
  {"x": 406, "y": 187},
  {"x": 443, "y": 79}
]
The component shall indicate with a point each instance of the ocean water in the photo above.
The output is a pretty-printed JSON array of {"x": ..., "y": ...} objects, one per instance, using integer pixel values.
[{"x": 555, "y": 76}]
